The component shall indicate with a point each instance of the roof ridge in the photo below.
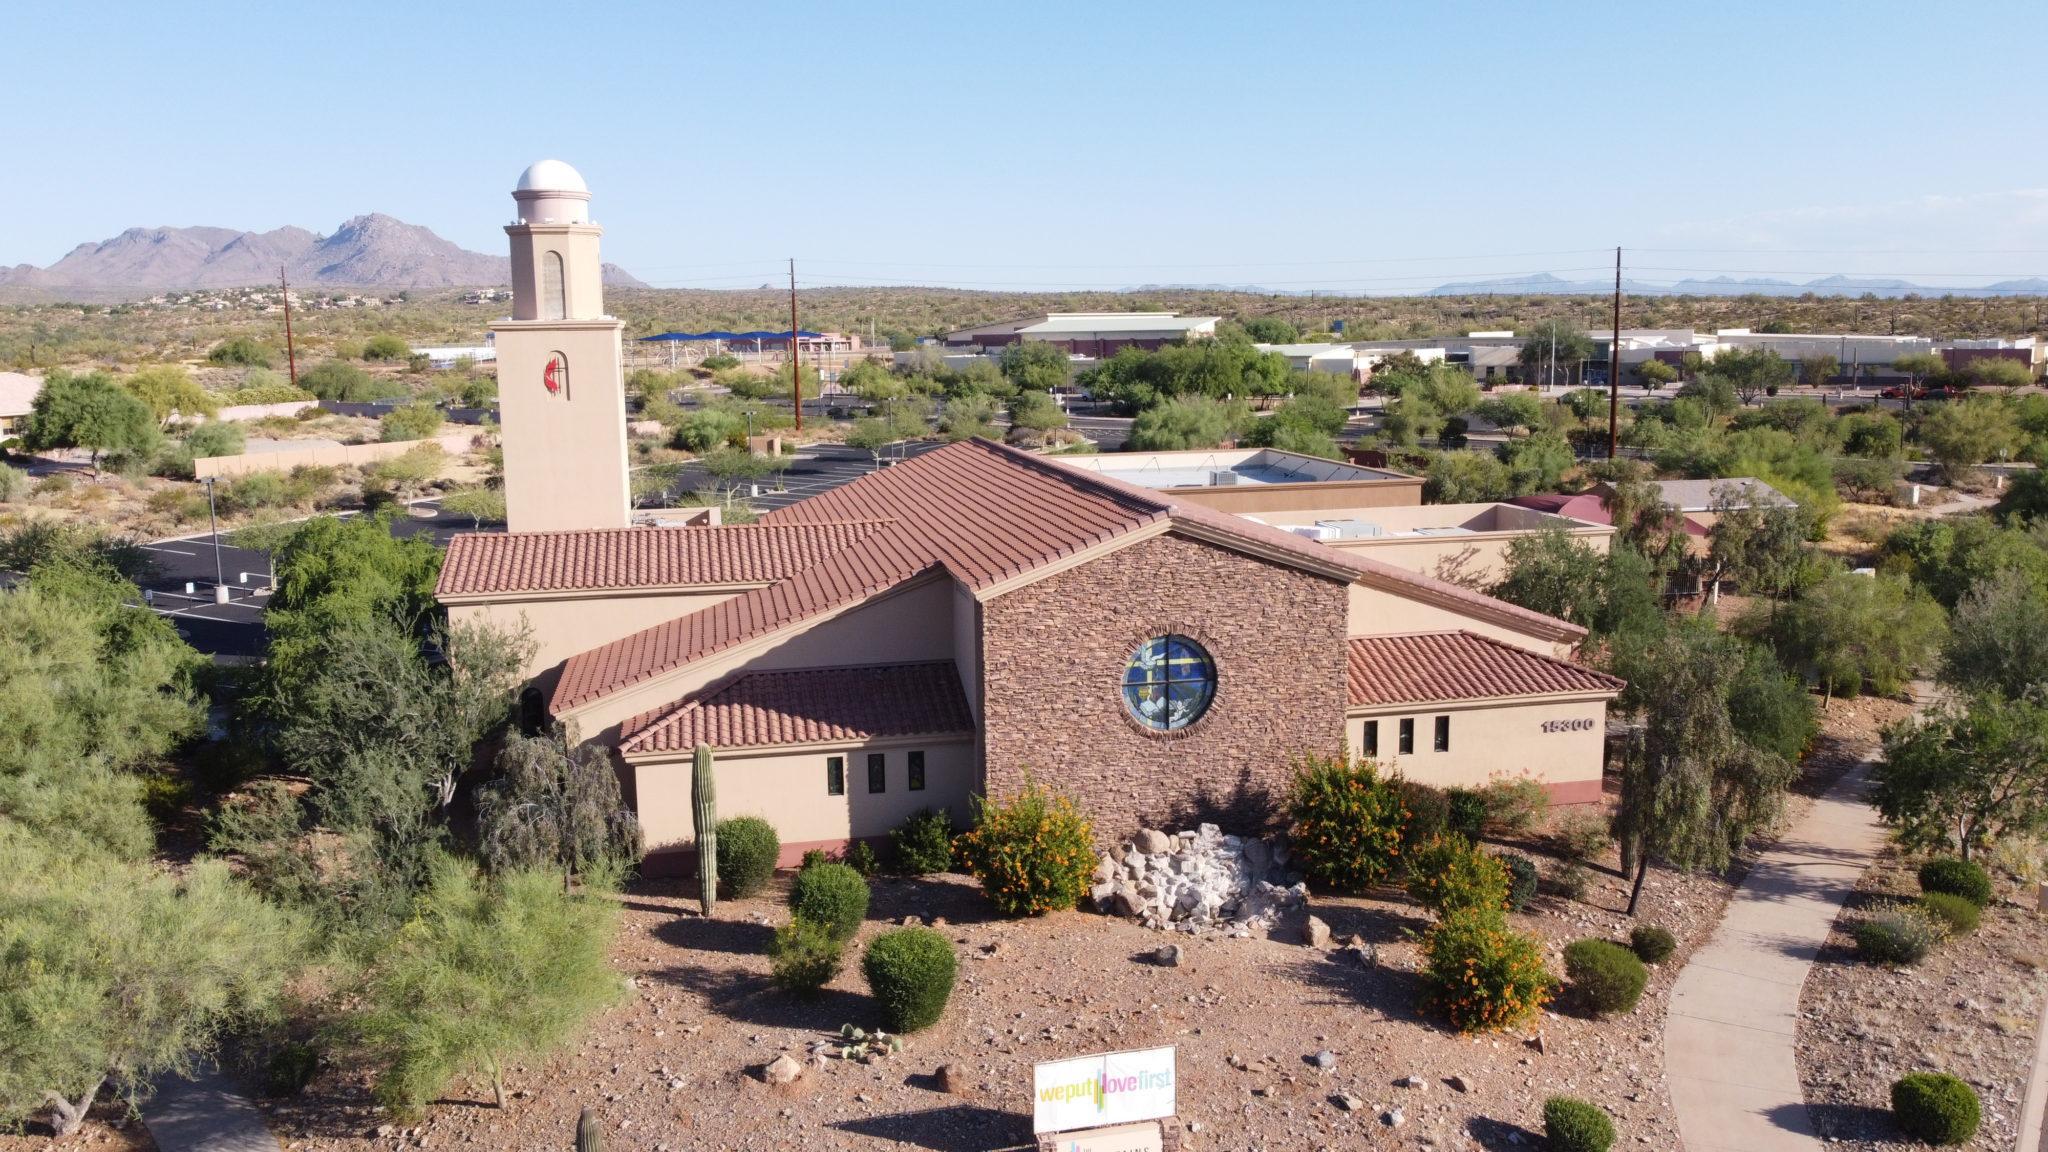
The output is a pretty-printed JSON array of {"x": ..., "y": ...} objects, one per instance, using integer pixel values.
[{"x": 649, "y": 528}]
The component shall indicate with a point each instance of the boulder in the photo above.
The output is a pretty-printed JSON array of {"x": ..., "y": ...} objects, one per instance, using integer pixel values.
[
  {"x": 1315, "y": 933},
  {"x": 782, "y": 1070},
  {"x": 1152, "y": 843}
]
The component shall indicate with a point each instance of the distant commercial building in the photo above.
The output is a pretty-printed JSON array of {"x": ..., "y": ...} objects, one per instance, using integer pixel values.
[
  {"x": 18, "y": 394},
  {"x": 1088, "y": 333},
  {"x": 2029, "y": 351}
]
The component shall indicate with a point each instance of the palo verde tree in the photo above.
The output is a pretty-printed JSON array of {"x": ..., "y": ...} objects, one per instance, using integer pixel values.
[
  {"x": 1998, "y": 638},
  {"x": 1752, "y": 372},
  {"x": 92, "y": 412},
  {"x": 113, "y": 973},
  {"x": 486, "y": 972},
  {"x": 1694, "y": 785},
  {"x": 1852, "y": 633},
  {"x": 1962, "y": 777}
]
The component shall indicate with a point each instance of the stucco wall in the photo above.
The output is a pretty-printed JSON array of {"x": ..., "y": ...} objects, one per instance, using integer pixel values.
[
  {"x": 1375, "y": 612},
  {"x": 1489, "y": 740},
  {"x": 326, "y": 455},
  {"x": 787, "y": 789},
  {"x": 561, "y": 628},
  {"x": 1053, "y": 656},
  {"x": 1258, "y": 499}
]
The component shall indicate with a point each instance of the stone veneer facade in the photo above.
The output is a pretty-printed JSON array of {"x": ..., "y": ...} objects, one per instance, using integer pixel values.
[{"x": 1053, "y": 655}]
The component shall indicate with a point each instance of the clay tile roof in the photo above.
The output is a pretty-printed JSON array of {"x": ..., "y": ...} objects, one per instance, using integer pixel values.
[
  {"x": 982, "y": 513},
  {"x": 480, "y": 563},
  {"x": 1426, "y": 667},
  {"x": 810, "y": 706}
]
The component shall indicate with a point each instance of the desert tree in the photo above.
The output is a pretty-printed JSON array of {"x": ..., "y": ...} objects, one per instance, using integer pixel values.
[
  {"x": 1962, "y": 776},
  {"x": 1034, "y": 365},
  {"x": 556, "y": 806},
  {"x": 1752, "y": 372},
  {"x": 90, "y": 412},
  {"x": 1553, "y": 351},
  {"x": 1998, "y": 638},
  {"x": 487, "y": 971},
  {"x": 1962, "y": 434},
  {"x": 1851, "y": 633},
  {"x": 115, "y": 973},
  {"x": 1694, "y": 786}
]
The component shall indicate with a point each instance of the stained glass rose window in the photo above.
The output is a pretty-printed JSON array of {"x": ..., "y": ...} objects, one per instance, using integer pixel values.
[{"x": 1169, "y": 682}]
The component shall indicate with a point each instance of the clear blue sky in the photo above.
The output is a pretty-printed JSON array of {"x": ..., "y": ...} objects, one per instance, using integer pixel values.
[{"x": 1347, "y": 146}]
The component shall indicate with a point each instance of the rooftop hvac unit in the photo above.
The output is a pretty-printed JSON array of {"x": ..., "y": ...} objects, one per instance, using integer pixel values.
[
  {"x": 1313, "y": 531},
  {"x": 1222, "y": 477},
  {"x": 1352, "y": 529}
]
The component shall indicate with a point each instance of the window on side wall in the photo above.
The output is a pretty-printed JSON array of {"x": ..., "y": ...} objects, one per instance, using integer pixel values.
[
  {"x": 1408, "y": 737},
  {"x": 916, "y": 772},
  {"x": 878, "y": 772},
  {"x": 835, "y": 775},
  {"x": 1369, "y": 742},
  {"x": 1443, "y": 733}
]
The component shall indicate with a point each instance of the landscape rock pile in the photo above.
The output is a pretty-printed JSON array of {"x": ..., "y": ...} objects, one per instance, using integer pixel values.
[{"x": 1198, "y": 881}]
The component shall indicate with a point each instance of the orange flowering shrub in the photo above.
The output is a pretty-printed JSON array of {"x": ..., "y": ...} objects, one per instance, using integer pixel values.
[
  {"x": 1347, "y": 822},
  {"x": 1481, "y": 974},
  {"x": 1032, "y": 854},
  {"x": 1448, "y": 875}
]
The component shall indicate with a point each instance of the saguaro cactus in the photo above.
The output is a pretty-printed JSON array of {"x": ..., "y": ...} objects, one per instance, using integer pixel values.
[
  {"x": 587, "y": 1138},
  {"x": 704, "y": 799}
]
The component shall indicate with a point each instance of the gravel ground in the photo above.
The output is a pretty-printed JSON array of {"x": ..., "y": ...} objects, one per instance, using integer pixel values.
[
  {"x": 1969, "y": 1009},
  {"x": 679, "y": 1065},
  {"x": 108, "y": 1128}
]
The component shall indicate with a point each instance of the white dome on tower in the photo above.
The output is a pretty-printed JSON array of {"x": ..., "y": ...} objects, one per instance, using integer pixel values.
[{"x": 551, "y": 176}]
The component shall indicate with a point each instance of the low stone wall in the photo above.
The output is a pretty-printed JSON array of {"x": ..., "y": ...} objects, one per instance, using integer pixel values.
[
  {"x": 328, "y": 455},
  {"x": 253, "y": 411}
]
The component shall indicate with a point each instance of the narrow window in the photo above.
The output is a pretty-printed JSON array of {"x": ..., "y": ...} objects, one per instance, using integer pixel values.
[
  {"x": 554, "y": 289},
  {"x": 835, "y": 775},
  {"x": 1443, "y": 733},
  {"x": 917, "y": 771},
  {"x": 1371, "y": 741},
  {"x": 1408, "y": 737},
  {"x": 878, "y": 776}
]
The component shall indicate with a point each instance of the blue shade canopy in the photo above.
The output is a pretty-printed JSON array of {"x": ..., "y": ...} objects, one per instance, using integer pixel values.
[
  {"x": 721, "y": 334},
  {"x": 1168, "y": 683}
]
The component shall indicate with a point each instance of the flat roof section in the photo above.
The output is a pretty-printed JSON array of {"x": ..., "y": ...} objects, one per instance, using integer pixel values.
[{"x": 1223, "y": 468}]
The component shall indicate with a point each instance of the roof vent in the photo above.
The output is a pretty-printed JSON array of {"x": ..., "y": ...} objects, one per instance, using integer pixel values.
[{"x": 1222, "y": 477}]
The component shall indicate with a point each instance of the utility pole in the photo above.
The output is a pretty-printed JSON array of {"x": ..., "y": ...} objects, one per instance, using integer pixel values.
[
  {"x": 220, "y": 578},
  {"x": 1614, "y": 366},
  {"x": 291, "y": 356},
  {"x": 796, "y": 371}
]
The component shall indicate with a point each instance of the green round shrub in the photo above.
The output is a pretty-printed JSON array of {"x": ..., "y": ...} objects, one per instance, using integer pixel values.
[
  {"x": 747, "y": 851},
  {"x": 924, "y": 842},
  {"x": 1467, "y": 813},
  {"x": 1957, "y": 912},
  {"x": 1896, "y": 934},
  {"x": 1957, "y": 878},
  {"x": 1652, "y": 944},
  {"x": 805, "y": 955},
  {"x": 1936, "y": 1108},
  {"x": 1448, "y": 874},
  {"x": 1521, "y": 880},
  {"x": 1429, "y": 814},
  {"x": 1347, "y": 822},
  {"x": 833, "y": 896},
  {"x": 1573, "y": 1125},
  {"x": 1605, "y": 977},
  {"x": 910, "y": 971}
]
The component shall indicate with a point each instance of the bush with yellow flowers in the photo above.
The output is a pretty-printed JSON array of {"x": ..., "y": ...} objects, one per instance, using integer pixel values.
[
  {"x": 1481, "y": 974},
  {"x": 1347, "y": 822},
  {"x": 1032, "y": 854}
]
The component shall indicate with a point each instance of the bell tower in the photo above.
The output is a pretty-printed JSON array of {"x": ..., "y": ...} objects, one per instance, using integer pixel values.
[{"x": 561, "y": 388}]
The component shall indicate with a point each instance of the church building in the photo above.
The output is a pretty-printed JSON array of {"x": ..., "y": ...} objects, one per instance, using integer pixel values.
[{"x": 965, "y": 621}]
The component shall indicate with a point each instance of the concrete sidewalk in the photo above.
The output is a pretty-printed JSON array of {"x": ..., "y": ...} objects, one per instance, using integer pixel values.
[
  {"x": 205, "y": 1115},
  {"x": 1734, "y": 1014}
]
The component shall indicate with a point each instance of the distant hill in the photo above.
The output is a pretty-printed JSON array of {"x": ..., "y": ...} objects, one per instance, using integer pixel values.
[
  {"x": 1544, "y": 284},
  {"x": 372, "y": 251}
]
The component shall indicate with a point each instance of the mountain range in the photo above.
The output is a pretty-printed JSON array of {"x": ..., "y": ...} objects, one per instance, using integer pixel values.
[
  {"x": 371, "y": 251},
  {"x": 1545, "y": 284}
]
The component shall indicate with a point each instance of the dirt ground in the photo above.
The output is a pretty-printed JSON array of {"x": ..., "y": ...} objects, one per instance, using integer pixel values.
[
  {"x": 678, "y": 1065},
  {"x": 1970, "y": 1009}
]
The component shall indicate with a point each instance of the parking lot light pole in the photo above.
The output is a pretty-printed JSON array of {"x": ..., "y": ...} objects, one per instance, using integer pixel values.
[{"x": 220, "y": 579}]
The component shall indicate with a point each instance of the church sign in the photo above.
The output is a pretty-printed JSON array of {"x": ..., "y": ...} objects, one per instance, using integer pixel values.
[{"x": 1108, "y": 1089}]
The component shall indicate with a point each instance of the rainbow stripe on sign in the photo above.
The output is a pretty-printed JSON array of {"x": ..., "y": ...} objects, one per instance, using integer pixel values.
[{"x": 1111, "y": 1088}]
